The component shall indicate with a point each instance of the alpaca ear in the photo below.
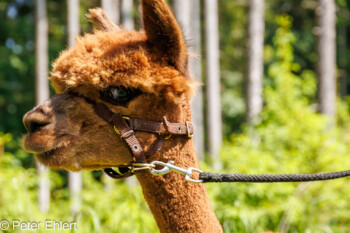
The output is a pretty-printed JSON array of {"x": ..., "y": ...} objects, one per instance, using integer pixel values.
[
  {"x": 100, "y": 20},
  {"x": 164, "y": 32}
]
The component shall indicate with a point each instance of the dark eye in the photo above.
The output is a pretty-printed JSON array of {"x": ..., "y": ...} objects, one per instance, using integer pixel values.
[{"x": 119, "y": 95}]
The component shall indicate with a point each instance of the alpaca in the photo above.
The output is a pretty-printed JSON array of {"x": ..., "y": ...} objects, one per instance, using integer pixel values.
[{"x": 139, "y": 74}]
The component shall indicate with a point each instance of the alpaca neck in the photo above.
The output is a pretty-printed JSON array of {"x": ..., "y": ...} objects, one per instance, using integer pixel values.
[{"x": 178, "y": 205}]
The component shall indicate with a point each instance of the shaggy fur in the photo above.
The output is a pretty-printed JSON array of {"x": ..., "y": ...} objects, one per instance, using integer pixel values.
[
  {"x": 66, "y": 133},
  {"x": 121, "y": 57}
]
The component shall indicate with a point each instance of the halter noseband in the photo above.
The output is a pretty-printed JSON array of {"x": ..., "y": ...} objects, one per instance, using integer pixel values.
[{"x": 125, "y": 127}]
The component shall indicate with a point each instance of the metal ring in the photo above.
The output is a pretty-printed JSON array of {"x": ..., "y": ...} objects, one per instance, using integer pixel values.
[
  {"x": 165, "y": 137},
  {"x": 116, "y": 130}
]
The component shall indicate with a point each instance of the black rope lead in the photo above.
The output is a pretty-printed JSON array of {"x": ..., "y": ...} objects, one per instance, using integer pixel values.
[{"x": 207, "y": 177}]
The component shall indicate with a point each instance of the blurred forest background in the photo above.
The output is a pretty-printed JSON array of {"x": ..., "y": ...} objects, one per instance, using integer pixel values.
[{"x": 300, "y": 123}]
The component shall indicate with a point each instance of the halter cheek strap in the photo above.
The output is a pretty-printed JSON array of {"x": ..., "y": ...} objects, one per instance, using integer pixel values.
[{"x": 126, "y": 127}]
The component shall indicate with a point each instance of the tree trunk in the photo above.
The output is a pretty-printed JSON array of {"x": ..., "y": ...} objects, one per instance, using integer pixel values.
[
  {"x": 127, "y": 14},
  {"x": 112, "y": 9},
  {"x": 42, "y": 91},
  {"x": 196, "y": 67},
  {"x": 326, "y": 57},
  {"x": 188, "y": 15},
  {"x": 182, "y": 9},
  {"x": 74, "y": 178},
  {"x": 213, "y": 80},
  {"x": 139, "y": 13},
  {"x": 343, "y": 83},
  {"x": 254, "y": 82}
]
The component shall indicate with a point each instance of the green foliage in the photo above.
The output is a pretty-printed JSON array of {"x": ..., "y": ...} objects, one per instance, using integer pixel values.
[
  {"x": 291, "y": 138},
  {"x": 121, "y": 208}
]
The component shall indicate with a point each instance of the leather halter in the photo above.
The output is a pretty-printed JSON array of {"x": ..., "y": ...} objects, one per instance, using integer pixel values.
[{"x": 126, "y": 127}]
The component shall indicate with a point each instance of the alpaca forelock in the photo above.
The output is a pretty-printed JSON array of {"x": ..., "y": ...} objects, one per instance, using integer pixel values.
[{"x": 115, "y": 57}]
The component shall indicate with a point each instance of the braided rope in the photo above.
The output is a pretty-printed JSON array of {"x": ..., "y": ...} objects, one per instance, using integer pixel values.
[{"x": 268, "y": 178}]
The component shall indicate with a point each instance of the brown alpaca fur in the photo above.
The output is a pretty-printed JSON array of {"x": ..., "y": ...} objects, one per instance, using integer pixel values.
[
  {"x": 115, "y": 58},
  {"x": 66, "y": 133}
]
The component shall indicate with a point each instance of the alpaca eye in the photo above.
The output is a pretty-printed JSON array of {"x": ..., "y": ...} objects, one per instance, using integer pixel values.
[{"x": 118, "y": 95}]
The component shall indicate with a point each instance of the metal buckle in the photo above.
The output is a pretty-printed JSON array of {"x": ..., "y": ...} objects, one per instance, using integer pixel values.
[
  {"x": 115, "y": 128},
  {"x": 188, "y": 129},
  {"x": 169, "y": 167},
  {"x": 127, "y": 134},
  {"x": 124, "y": 135}
]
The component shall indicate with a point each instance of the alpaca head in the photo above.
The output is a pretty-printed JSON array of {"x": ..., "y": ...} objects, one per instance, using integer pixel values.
[{"x": 139, "y": 74}]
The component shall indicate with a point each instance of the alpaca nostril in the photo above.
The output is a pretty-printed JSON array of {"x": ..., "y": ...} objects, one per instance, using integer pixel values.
[
  {"x": 33, "y": 126},
  {"x": 35, "y": 120}
]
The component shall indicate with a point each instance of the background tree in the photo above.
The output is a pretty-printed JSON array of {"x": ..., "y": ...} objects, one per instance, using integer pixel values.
[
  {"x": 254, "y": 82},
  {"x": 42, "y": 90},
  {"x": 342, "y": 54},
  {"x": 127, "y": 14},
  {"x": 188, "y": 13},
  {"x": 112, "y": 9},
  {"x": 343, "y": 20},
  {"x": 182, "y": 9},
  {"x": 196, "y": 68},
  {"x": 213, "y": 80},
  {"x": 326, "y": 62}
]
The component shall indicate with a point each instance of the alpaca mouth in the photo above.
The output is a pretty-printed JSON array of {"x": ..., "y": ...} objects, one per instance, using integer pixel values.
[
  {"x": 54, "y": 158},
  {"x": 47, "y": 153},
  {"x": 44, "y": 156}
]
